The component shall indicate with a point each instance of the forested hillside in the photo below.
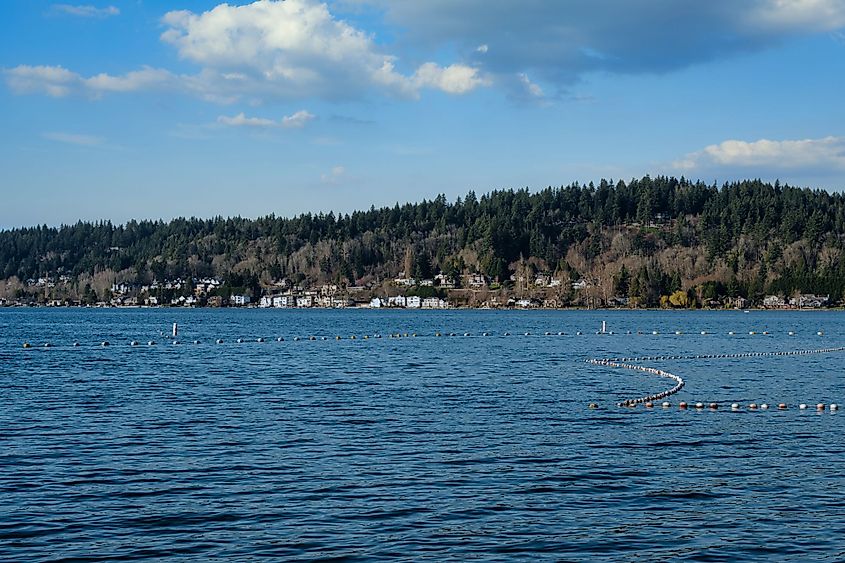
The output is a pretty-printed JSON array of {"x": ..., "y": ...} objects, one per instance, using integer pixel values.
[{"x": 642, "y": 241}]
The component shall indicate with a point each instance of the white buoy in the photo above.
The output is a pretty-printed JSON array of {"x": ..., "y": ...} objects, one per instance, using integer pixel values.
[
  {"x": 834, "y": 407},
  {"x": 678, "y": 332},
  {"x": 764, "y": 406},
  {"x": 791, "y": 333},
  {"x": 220, "y": 341},
  {"x": 75, "y": 344},
  {"x": 666, "y": 404},
  {"x": 151, "y": 343},
  {"x": 239, "y": 340},
  {"x": 802, "y": 406},
  {"x": 654, "y": 332},
  {"x": 259, "y": 339},
  {"x": 703, "y": 332},
  {"x": 196, "y": 341},
  {"x": 104, "y": 343},
  {"x": 735, "y": 406},
  {"x": 820, "y": 333},
  {"x": 175, "y": 330},
  {"x": 730, "y": 333},
  {"x": 133, "y": 343}
]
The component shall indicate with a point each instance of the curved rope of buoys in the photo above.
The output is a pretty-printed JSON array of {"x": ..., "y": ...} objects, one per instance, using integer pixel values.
[
  {"x": 621, "y": 363},
  {"x": 679, "y": 382}
]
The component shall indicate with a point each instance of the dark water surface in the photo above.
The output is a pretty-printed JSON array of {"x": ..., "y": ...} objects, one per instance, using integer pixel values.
[{"x": 426, "y": 448}]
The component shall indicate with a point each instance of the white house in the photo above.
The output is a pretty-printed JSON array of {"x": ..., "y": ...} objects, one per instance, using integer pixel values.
[
  {"x": 375, "y": 303},
  {"x": 266, "y": 301},
  {"x": 773, "y": 302},
  {"x": 476, "y": 280},
  {"x": 239, "y": 300},
  {"x": 433, "y": 303},
  {"x": 444, "y": 281},
  {"x": 398, "y": 301},
  {"x": 305, "y": 301},
  {"x": 413, "y": 302}
]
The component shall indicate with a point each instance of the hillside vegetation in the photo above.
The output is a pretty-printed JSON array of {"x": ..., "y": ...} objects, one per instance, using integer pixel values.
[{"x": 644, "y": 241}]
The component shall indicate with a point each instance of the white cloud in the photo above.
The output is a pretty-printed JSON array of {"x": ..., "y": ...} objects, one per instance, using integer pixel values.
[
  {"x": 298, "y": 119},
  {"x": 483, "y": 48},
  {"x": 531, "y": 88},
  {"x": 74, "y": 139},
  {"x": 827, "y": 153},
  {"x": 269, "y": 49},
  {"x": 791, "y": 15},
  {"x": 242, "y": 120},
  {"x": 454, "y": 79},
  {"x": 294, "y": 121},
  {"x": 51, "y": 80},
  {"x": 57, "y": 81},
  {"x": 334, "y": 175},
  {"x": 86, "y": 11},
  {"x": 297, "y": 48}
]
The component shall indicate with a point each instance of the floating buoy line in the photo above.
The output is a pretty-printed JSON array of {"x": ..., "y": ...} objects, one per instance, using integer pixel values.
[
  {"x": 679, "y": 383},
  {"x": 624, "y": 362},
  {"x": 648, "y": 400}
]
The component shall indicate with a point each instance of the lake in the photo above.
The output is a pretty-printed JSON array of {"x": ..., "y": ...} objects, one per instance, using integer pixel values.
[{"x": 419, "y": 448}]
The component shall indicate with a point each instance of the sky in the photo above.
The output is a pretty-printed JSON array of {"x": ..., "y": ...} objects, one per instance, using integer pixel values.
[{"x": 148, "y": 109}]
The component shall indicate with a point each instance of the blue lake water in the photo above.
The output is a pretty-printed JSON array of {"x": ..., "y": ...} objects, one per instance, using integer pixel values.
[{"x": 417, "y": 448}]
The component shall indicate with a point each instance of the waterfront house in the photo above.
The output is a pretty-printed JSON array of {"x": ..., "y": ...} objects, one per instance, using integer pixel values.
[
  {"x": 810, "y": 301},
  {"x": 413, "y": 302},
  {"x": 375, "y": 303},
  {"x": 239, "y": 300},
  {"x": 774, "y": 302},
  {"x": 434, "y": 303}
]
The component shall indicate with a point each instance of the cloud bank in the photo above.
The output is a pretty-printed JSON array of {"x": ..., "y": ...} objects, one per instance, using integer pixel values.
[
  {"x": 294, "y": 121},
  {"x": 295, "y": 49},
  {"x": 817, "y": 155},
  {"x": 265, "y": 50},
  {"x": 559, "y": 42},
  {"x": 86, "y": 11}
]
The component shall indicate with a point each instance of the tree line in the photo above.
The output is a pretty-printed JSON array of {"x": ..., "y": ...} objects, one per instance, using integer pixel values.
[{"x": 643, "y": 240}]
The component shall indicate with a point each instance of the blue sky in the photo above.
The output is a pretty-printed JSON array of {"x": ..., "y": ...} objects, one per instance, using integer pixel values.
[{"x": 152, "y": 109}]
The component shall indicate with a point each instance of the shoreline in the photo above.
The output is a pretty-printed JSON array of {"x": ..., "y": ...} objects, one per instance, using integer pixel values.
[{"x": 416, "y": 309}]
